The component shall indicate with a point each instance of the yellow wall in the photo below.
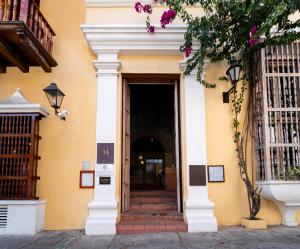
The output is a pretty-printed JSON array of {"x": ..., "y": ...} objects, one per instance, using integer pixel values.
[
  {"x": 65, "y": 145},
  {"x": 230, "y": 197}
]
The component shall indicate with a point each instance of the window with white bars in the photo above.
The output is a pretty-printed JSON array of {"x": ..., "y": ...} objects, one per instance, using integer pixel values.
[{"x": 277, "y": 113}]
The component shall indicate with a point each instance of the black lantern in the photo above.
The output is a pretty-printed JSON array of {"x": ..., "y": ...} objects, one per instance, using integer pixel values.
[
  {"x": 55, "y": 97},
  {"x": 233, "y": 73}
]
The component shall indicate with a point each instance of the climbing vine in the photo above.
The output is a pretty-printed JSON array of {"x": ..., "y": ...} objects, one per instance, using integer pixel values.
[{"x": 232, "y": 30}]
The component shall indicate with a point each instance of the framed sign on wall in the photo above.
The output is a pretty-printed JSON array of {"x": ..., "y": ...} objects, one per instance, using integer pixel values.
[
  {"x": 87, "y": 179},
  {"x": 216, "y": 173}
]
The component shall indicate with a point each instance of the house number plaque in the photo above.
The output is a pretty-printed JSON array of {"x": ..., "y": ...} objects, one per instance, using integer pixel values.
[
  {"x": 105, "y": 153},
  {"x": 197, "y": 175}
]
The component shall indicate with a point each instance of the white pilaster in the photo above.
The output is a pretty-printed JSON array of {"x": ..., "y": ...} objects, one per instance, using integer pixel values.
[
  {"x": 103, "y": 208},
  {"x": 199, "y": 210}
]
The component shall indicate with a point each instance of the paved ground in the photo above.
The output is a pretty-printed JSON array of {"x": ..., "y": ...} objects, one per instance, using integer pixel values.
[{"x": 228, "y": 238}]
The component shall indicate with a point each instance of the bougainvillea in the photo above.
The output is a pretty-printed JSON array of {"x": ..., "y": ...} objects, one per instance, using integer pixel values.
[
  {"x": 234, "y": 30},
  {"x": 167, "y": 17}
]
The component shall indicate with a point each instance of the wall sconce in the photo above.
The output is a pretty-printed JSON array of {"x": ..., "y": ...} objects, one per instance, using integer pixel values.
[
  {"x": 55, "y": 97},
  {"x": 233, "y": 73}
]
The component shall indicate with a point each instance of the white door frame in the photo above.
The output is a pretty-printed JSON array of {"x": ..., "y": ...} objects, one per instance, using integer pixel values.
[{"x": 107, "y": 42}]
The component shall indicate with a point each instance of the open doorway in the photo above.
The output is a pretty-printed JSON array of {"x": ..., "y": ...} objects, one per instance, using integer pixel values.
[{"x": 151, "y": 163}]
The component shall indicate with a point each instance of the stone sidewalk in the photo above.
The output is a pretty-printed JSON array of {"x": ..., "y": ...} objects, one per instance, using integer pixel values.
[{"x": 278, "y": 237}]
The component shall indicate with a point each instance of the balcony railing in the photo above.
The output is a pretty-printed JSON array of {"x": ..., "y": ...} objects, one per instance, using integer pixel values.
[
  {"x": 26, "y": 38},
  {"x": 28, "y": 12}
]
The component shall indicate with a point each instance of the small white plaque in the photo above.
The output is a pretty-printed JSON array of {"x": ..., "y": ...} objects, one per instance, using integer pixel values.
[
  {"x": 105, "y": 170},
  {"x": 216, "y": 173},
  {"x": 87, "y": 179},
  {"x": 86, "y": 165}
]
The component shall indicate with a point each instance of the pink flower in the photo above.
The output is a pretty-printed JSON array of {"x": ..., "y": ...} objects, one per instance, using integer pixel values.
[
  {"x": 253, "y": 42},
  {"x": 167, "y": 17},
  {"x": 188, "y": 50},
  {"x": 151, "y": 29},
  {"x": 253, "y": 30},
  {"x": 147, "y": 8},
  {"x": 138, "y": 7}
]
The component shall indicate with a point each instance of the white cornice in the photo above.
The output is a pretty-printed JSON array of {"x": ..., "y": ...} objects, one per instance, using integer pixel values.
[
  {"x": 129, "y": 39},
  {"x": 117, "y": 3},
  {"x": 17, "y": 103},
  {"x": 112, "y": 3},
  {"x": 107, "y": 67}
]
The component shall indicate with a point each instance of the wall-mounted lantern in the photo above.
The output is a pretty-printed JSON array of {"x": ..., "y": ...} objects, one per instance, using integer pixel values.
[
  {"x": 233, "y": 73},
  {"x": 55, "y": 97}
]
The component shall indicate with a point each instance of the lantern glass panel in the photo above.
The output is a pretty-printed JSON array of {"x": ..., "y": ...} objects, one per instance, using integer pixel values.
[
  {"x": 234, "y": 73},
  {"x": 55, "y": 95},
  {"x": 237, "y": 70},
  {"x": 58, "y": 100}
]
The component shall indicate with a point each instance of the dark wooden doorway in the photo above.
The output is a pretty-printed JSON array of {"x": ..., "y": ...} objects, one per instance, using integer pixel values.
[{"x": 154, "y": 153}]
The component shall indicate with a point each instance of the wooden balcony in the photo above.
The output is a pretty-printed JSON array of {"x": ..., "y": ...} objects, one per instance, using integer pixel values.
[{"x": 26, "y": 38}]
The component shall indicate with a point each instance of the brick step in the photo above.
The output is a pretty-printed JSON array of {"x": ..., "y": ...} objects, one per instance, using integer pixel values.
[
  {"x": 153, "y": 207},
  {"x": 153, "y": 194},
  {"x": 151, "y": 227},
  {"x": 153, "y": 200},
  {"x": 151, "y": 216},
  {"x": 157, "y": 212},
  {"x": 151, "y": 222}
]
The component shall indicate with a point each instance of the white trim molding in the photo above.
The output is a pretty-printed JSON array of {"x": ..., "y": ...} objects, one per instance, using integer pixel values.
[
  {"x": 129, "y": 39},
  {"x": 103, "y": 208},
  {"x": 112, "y": 3},
  {"x": 118, "y": 3},
  {"x": 199, "y": 209},
  {"x": 17, "y": 103},
  {"x": 108, "y": 42}
]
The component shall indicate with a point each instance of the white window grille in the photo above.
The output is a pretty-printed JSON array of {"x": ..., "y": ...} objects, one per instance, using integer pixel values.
[{"x": 277, "y": 113}]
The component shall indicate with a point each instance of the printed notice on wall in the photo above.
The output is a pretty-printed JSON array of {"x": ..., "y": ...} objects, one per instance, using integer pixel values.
[
  {"x": 216, "y": 173},
  {"x": 87, "y": 180}
]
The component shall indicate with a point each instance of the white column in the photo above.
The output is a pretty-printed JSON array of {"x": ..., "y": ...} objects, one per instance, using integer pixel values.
[
  {"x": 199, "y": 210},
  {"x": 103, "y": 209}
]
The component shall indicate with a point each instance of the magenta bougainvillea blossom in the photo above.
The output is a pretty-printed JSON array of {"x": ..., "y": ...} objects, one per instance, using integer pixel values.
[
  {"x": 188, "y": 50},
  {"x": 253, "y": 41},
  {"x": 151, "y": 29},
  {"x": 147, "y": 8},
  {"x": 138, "y": 7},
  {"x": 253, "y": 30},
  {"x": 167, "y": 17}
]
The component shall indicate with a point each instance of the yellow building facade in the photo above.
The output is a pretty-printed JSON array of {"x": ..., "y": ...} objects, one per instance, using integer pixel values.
[{"x": 101, "y": 42}]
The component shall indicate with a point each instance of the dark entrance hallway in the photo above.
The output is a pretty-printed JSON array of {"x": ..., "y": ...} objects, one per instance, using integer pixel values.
[
  {"x": 152, "y": 203},
  {"x": 152, "y": 137}
]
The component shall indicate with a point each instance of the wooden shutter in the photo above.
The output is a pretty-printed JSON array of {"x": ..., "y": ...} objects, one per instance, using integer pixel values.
[{"x": 18, "y": 155}]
